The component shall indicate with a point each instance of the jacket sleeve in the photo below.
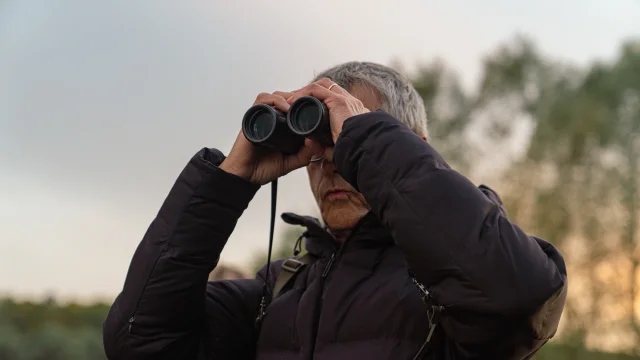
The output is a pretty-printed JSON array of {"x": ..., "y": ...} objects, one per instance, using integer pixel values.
[
  {"x": 166, "y": 310},
  {"x": 495, "y": 281}
]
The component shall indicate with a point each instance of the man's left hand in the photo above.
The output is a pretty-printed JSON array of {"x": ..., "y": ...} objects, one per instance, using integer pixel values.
[{"x": 340, "y": 103}]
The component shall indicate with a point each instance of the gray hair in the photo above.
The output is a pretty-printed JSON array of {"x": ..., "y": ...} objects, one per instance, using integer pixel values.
[{"x": 397, "y": 95}]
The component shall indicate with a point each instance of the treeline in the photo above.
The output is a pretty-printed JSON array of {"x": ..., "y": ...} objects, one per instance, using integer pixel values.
[{"x": 51, "y": 331}]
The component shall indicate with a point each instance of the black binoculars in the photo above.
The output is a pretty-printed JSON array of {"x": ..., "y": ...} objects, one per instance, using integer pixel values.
[{"x": 308, "y": 117}]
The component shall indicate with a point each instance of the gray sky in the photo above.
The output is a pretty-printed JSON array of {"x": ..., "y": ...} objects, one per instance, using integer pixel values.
[{"x": 103, "y": 103}]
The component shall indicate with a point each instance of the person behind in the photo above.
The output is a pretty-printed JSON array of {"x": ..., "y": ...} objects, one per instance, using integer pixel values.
[
  {"x": 226, "y": 272},
  {"x": 395, "y": 216}
]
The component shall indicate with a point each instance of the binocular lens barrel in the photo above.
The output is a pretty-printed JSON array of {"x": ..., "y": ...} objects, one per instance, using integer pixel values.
[
  {"x": 259, "y": 123},
  {"x": 264, "y": 125},
  {"x": 307, "y": 117}
]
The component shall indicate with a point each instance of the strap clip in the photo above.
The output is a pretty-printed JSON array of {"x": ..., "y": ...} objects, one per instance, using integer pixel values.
[{"x": 292, "y": 265}]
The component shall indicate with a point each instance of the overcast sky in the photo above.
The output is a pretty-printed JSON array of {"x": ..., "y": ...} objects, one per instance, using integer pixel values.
[{"x": 103, "y": 103}]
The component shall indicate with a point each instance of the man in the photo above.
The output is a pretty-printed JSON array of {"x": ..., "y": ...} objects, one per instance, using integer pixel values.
[{"x": 394, "y": 213}]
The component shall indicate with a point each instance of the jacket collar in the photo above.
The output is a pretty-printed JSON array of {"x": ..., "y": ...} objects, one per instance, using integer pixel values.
[{"x": 368, "y": 233}]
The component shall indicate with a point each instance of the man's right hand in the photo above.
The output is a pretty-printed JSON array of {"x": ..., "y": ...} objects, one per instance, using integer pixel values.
[{"x": 261, "y": 165}]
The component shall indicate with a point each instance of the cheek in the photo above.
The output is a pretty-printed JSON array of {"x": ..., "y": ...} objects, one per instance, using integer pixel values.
[{"x": 314, "y": 179}]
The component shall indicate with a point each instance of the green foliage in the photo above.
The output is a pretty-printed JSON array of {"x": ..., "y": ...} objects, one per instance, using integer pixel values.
[
  {"x": 580, "y": 174},
  {"x": 30, "y": 316},
  {"x": 568, "y": 352},
  {"x": 449, "y": 111},
  {"x": 586, "y": 142},
  {"x": 51, "y": 331},
  {"x": 10, "y": 342}
]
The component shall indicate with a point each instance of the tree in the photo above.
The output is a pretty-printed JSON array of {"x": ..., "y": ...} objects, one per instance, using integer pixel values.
[
  {"x": 577, "y": 183},
  {"x": 449, "y": 111}
]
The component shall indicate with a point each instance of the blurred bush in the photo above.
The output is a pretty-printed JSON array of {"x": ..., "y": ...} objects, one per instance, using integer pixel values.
[{"x": 51, "y": 331}]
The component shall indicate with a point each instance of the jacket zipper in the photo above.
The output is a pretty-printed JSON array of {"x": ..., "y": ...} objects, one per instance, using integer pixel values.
[
  {"x": 132, "y": 319},
  {"x": 320, "y": 299},
  {"x": 328, "y": 266},
  {"x": 335, "y": 257},
  {"x": 325, "y": 274}
]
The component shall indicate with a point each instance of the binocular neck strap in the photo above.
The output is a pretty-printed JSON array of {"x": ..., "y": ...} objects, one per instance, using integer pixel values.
[
  {"x": 262, "y": 311},
  {"x": 274, "y": 196}
]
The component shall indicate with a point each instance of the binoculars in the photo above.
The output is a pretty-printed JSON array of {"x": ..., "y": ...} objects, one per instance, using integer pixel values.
[{"x": 308, "y": 117}]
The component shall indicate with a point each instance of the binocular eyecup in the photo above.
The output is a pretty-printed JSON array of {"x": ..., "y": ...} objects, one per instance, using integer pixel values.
[{"x": 307, "y": 117}]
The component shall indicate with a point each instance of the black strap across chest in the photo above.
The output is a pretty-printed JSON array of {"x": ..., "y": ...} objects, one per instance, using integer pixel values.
[{"x": 290, "y": 267}]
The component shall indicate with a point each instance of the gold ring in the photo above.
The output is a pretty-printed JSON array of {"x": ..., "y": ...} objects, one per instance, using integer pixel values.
[{"x": 332, "y": 85}]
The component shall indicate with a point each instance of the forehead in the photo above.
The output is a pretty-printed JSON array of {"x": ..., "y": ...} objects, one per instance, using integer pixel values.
[{"x": 370, "y": 98}]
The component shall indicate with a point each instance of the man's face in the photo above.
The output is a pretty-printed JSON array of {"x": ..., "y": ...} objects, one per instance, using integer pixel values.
[{"x": 340, "y": 204}]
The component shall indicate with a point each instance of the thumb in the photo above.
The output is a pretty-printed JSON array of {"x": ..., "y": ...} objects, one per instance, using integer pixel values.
[{"x": 310, "y": 149}]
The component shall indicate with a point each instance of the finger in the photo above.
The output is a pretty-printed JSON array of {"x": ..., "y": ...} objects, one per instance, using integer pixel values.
[
  {"x": 318, "y": 91},
  {"x": 328, "y": 83},
  {"x": 325, "y": 82},
  {"x": 276, "y": 101},
  {"x": 310, "y": 149},
  {"x": 293, "y": 92},
  {"x": 316, "y": 148},
  {"x": 284, "y": 94}
]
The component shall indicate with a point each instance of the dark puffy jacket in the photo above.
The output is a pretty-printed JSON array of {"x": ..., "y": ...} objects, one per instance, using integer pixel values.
[{"x": 502, "y": 290}]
